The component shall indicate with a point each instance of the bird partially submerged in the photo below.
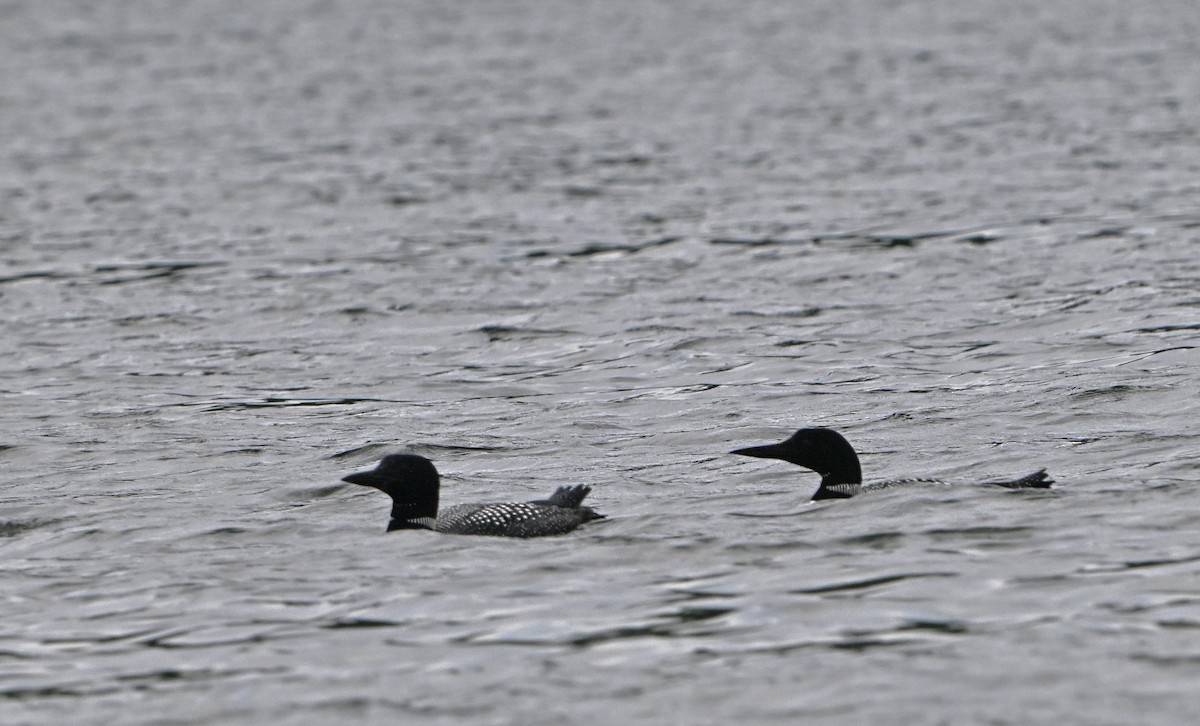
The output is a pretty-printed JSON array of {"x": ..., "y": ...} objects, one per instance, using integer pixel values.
[{"x": 827, "y": 452}]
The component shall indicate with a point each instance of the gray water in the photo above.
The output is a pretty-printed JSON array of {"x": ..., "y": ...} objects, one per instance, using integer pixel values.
[{"x": 250, "y": 247}]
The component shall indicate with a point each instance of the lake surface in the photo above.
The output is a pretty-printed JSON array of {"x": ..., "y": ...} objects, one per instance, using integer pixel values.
[{"x": 251, "y": 247}]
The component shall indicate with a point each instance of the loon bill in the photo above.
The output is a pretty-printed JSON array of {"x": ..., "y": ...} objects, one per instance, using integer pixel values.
[
  {"x": 827, "y": 452},
  {"x": 413, "y": 484}
]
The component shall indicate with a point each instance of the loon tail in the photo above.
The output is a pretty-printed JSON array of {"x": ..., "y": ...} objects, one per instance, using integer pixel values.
[
  {"x": 572, "y": 498},
  {"x": 1036, "y": 480},
  {"x": 567, "y": 497}
]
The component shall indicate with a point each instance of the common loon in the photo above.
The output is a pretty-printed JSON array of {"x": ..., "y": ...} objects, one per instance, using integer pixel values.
[
  {"x": 412, "y": 483},
  {"x": 827, "y": 452}
]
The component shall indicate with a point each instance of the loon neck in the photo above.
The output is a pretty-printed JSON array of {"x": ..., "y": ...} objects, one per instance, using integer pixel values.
[
  {"x": 843, "y": 480},
  {"x": 839, "y": 465},
  {"x": 417, "y": 523},
  {"x": 846, "y": 472},
  {"x": 838, "y": 487},
  {"x": 414, "y": 515}
]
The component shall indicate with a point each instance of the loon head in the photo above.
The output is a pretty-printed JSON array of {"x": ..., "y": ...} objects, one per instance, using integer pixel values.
[
  {"x": 410, "y": 480},
  {"x": 825, "y": 451}
]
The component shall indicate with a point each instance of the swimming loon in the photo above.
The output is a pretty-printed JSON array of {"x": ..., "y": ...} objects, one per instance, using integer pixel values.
[
  {"x": 412, "y": 483},
  {"x": 827, "y": 452}
]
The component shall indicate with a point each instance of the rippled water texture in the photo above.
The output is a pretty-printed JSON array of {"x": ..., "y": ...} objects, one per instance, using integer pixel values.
[{"x": 250, "y": 247}]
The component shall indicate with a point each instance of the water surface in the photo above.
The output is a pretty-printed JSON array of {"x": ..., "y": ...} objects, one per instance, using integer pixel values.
[{"x": 251, "y": 248}]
